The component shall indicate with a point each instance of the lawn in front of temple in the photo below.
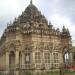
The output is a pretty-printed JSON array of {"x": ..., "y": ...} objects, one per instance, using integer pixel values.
[
  {"x": 68, "y": 73},
  {"x": 57, "y": 73},
  {"x": 50, "y": 73}
]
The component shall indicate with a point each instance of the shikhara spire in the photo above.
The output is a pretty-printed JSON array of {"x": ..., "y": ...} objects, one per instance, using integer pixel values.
[{"x": 31, "y": 2}]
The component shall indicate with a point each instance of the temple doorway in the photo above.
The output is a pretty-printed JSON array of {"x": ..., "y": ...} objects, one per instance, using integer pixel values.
[
  {"x": 66, "y": 56},
  {"x": 12, "y": 63}
]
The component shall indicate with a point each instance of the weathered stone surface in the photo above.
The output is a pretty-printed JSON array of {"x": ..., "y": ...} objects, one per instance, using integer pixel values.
[{"x": 34, "y": 42}]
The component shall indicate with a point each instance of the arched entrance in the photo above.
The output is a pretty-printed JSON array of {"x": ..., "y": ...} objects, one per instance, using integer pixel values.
[
  {"x": 12, "y": 60},
  {"x": 66, "y": 56},
  {"x": 12, "y": 63}
]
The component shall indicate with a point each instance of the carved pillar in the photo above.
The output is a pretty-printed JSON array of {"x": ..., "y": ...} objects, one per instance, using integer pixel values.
[
  {"x": 17, "y": 58},
  {"x": 7, "y": 59},
  {"x": 7, "y": 62},
  {"x": 23, "y": 60},
  {"x": 17, "y": 62},
  {"x": 61, "y": 61},
  {"x": 52, "y": 60},
  {"x": 2, "y": 60},
  {"x": 71, "y": 57},
  {"x": 43, "y": 58},
  {"x": 33, "y": 60}
]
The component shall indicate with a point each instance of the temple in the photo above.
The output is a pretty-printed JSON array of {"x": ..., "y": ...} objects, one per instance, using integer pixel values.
[{"x": 31, "y": 43}]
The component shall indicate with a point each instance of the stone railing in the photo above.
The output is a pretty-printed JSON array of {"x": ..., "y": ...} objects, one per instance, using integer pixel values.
[{"x": 16, "y": 67}]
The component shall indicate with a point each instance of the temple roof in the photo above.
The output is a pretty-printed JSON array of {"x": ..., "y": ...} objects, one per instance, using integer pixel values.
[{"x": 32, "y": 13}]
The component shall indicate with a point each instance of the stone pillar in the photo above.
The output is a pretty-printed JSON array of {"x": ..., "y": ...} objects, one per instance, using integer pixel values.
[
  {"x": 7, "y": 62},
  {"x": 33, "y": 60},
  {"x": 17, "y": 62},
  {"x": 2, "y": 60},
  {"x": 33, "y": 57},
  {"x": 71, "y": 57},
  {"x": 17, "y": 58},
  {"x": 42, "y": 61},
  {"x": 52, "y": 60},
  {"x": 61, "y": 61},
  {"x": 7, "y": 59},
  {"x": 23, "y": 60}
]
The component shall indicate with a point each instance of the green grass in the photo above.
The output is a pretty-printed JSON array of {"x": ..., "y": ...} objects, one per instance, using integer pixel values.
[
  {"x": 57, "y": 73},
  {"x": 1, "y": 74},
  {"x": 66, "y": 73},
  {"x": 69, "y": 73},
  {"x": 50, "y": 73}
]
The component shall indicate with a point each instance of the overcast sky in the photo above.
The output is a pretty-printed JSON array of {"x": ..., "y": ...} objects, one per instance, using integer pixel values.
[{"x": 59, "y": 12}]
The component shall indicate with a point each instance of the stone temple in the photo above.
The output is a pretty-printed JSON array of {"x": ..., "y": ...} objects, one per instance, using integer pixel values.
[{"x": 32, "y": 43}]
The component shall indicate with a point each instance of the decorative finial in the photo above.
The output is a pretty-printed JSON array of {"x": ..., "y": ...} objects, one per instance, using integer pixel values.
[
  {"x": 50, "y": 23},
  {"x": 31, "y": 2}
]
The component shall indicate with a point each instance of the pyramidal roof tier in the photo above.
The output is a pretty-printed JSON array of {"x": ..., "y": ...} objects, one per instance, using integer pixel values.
[{"x": 31, "y": 13}]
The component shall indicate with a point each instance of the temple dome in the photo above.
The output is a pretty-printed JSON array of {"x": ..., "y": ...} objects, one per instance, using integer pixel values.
[{"x": 32, "y": 13}]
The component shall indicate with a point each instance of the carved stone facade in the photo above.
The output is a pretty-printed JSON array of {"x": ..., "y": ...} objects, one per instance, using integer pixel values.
[{"x": 31, "y": 43}]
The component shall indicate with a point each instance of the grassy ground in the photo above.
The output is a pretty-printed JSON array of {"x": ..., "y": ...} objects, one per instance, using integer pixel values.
[
  {"x": 52, "y": 73},
  {"x": 70, "y": 73},
  {"x": 57, "y": 73},
  {"x": 66, "y": 73}
]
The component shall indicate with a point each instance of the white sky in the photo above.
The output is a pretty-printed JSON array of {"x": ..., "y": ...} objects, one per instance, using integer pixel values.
[{"x": 59, "y": 12}]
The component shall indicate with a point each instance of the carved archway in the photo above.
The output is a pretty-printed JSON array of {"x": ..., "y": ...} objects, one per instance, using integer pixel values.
[
  {"x": 12, "y": 60},
  {"x": 66, "y": 56}
]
